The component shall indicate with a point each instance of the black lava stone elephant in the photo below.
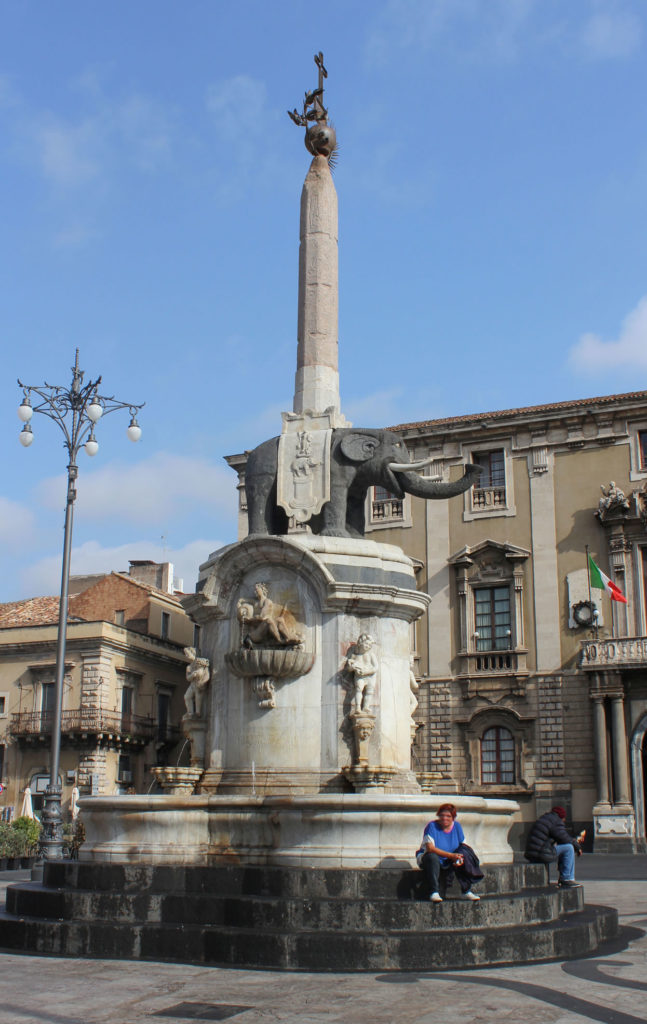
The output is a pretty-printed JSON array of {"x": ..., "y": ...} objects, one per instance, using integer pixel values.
[{"x": 359, "y": 459}]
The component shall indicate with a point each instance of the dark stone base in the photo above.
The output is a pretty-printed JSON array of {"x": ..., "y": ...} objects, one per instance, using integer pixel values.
[
  {"x": 619, "y": 845},
  {"x": 292, "y": 919}
]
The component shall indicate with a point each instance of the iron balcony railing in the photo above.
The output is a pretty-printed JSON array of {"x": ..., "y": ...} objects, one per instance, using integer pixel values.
[{"x": 81, "y": 721}]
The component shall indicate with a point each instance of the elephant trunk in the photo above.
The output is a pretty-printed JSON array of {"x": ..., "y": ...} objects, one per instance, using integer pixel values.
[{"x": 423, "y": 487}]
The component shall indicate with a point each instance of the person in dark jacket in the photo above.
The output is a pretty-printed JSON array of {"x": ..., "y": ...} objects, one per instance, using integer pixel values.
[{"x": 548, "y": 841}]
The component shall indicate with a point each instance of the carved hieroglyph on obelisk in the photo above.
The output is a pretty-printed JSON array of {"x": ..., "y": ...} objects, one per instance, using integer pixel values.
[{"x": 304, "y": 449}]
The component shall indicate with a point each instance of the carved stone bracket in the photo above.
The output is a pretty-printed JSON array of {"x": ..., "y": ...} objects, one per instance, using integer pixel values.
[
  {"x": 362, "y": 777},
  {"x": 266, "y": 665},
  {"x": 177, "y": 780}
]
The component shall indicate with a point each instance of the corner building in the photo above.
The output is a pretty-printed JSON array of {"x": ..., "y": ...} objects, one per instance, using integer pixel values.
[
  {"x": 122, "y": 691},
  {"x": 532, "y": 687}
]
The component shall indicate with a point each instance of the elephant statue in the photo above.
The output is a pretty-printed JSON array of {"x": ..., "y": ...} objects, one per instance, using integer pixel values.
[{"x": 359, "y": 459}]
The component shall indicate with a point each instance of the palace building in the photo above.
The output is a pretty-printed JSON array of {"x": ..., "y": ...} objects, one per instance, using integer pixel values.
[{"x": 531, "y": 686}]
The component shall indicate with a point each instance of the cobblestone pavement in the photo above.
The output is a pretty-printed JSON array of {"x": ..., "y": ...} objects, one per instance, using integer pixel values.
[{"x": 610, "y": 988}]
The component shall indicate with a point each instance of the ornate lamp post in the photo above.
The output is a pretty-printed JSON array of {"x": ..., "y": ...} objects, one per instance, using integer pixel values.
[{"x": 76, "y": 410}]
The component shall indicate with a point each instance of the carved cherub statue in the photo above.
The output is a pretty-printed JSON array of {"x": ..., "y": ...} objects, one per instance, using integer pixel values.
[
  {"x": 414, "y": 686},
  {"x": 265, "y": 620},
  {"x": 362, "y": 664},
  {"x": 198, "y": 673},
  {"x": 612, "y": 495}
]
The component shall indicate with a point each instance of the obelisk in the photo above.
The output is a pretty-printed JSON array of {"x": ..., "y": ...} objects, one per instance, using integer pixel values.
[
  {"x": 303, "y": 480},
  {"x": 317, "y": 377}
]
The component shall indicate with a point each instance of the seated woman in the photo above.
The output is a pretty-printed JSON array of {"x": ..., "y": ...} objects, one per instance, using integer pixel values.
[{"x": 441, "y": 848}]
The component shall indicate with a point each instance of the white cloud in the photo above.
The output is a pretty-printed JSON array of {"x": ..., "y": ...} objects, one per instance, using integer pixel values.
[
  {"x": 376, "y": 410},
  {"x": 146, "y": 130},
  {"x": 16, "y": 523},
  {"x": 469, "y": 27},
  {"x": 68, "y": 153},
  {"x": 153, "y": 491},
  {"x": 243, "y": 122},
  {"x": 591, "y": 353},
  {"x": 611, "y": 34},
  {"x": 44, "y": 576},
  {"x": 111, "y": 132},
  {"x": 500, "y": 30},
  {"x": 74, "y": 235}
]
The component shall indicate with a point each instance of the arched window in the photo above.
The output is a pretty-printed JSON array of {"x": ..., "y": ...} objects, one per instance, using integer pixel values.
[{"x": 497, "y": 756}]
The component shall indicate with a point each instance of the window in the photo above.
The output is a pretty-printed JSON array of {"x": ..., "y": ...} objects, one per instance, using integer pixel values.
[
  {"x": 166, "y": 625},
  {"x": 642, "y": 448},
  {"x": 125, "y": 771},
  {"x": 493, "y": 631},
  {"x": 127, "y": 699},
  {"x": 163, "y": 714},
  {"x": 3, "y": 708},
  {"x": 120, "y": 616},
  {"x": 1, "y": 761},
  {"x": 489, "y": 493},
  {"x": 48, "y": 697},
  {"x": 497, "y": 756},
  {"x": 385, "y": 505}
]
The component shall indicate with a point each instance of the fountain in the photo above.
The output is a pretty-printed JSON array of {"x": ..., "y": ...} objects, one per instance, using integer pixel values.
[{"x": 296, "y": 847}]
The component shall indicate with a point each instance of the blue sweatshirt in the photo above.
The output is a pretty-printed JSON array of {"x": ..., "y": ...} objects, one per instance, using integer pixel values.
[{"x": 449, "y": 841}]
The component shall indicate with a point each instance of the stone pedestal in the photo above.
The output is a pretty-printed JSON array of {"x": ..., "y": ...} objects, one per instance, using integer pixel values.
[
  {"x": 280, "y": 717},
  {"x": 195, "y": 730},
  {"x": 614, "y": 828}
]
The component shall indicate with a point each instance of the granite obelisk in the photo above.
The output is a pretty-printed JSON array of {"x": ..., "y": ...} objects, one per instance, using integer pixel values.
[{"x": 317, "y": 377}]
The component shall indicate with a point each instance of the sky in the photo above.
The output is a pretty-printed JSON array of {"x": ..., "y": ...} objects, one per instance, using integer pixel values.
[{"x": 492, "y": 182}]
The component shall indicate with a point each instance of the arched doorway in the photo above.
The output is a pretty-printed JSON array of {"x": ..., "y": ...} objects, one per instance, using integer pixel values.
[{"x": 639, "y": 776}]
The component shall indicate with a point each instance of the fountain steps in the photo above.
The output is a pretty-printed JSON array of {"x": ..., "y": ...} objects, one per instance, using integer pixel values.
[{"x": 314, "y": 920}]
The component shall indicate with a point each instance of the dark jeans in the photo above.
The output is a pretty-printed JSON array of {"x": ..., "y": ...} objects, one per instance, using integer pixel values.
[{"x": 430, "y": 865}]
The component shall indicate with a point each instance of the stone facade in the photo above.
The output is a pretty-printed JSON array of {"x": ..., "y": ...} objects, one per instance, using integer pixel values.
[
  {"x": 562, "y": 699},
  {"x": 123, "y": 687}
]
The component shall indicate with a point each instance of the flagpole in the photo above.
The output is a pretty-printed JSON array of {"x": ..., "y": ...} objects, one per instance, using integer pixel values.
[{"x": 594, "y": 611}]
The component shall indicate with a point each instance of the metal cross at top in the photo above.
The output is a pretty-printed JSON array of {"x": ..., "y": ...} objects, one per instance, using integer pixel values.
[
  {"x": 313, "y": 108},
  {"x": 319, "y": 61}
]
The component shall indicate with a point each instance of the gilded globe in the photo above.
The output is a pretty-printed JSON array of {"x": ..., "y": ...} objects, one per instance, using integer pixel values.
[{"x": 321, "y": 139}]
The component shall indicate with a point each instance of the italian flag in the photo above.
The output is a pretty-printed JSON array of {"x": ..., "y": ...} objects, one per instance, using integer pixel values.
[{"x": 602, "y": 582}]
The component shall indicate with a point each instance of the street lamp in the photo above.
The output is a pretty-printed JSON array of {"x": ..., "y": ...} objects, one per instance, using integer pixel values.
[{"x": 76, "y": 410}]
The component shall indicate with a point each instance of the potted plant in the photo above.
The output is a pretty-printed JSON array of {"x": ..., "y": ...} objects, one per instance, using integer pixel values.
[
  {"x": 12, "y": 847},
  {"x": 28, "y": 832},
  {"x": 5, "y": 836}
]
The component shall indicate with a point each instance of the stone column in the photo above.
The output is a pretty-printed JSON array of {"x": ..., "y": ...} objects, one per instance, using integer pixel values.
[
  {"x": 620, "y": 765},
  {"x": 546, "y": 578},
  {"x": 317, "y": 376},
  {"x": 600, "y": 741}
]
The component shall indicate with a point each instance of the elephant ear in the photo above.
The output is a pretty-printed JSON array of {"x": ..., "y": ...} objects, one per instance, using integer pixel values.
[{"x": 359, "y": 447}]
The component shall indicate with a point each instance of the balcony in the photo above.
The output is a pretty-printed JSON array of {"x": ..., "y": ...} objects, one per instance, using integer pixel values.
[
  {"x": 493, "y": 673},
  {"x": 387, "y": 510},
  {"x": 614, "y": 652},
  {"x": 83, "y": 724},
  {"x": 485, "y": 498}
]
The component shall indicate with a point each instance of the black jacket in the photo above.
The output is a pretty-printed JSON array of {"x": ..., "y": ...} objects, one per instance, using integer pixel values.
[{"x": 547, "y": 830}]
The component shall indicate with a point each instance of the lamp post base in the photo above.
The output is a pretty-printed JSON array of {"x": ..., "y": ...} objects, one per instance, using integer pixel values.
[{"x": 51, "y": 843}]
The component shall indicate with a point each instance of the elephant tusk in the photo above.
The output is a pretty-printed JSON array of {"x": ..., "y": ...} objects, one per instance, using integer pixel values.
[{"x": 402, "y": 467}]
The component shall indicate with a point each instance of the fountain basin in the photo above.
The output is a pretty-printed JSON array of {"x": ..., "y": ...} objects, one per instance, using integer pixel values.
[{"x": 321, "y": 830}]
